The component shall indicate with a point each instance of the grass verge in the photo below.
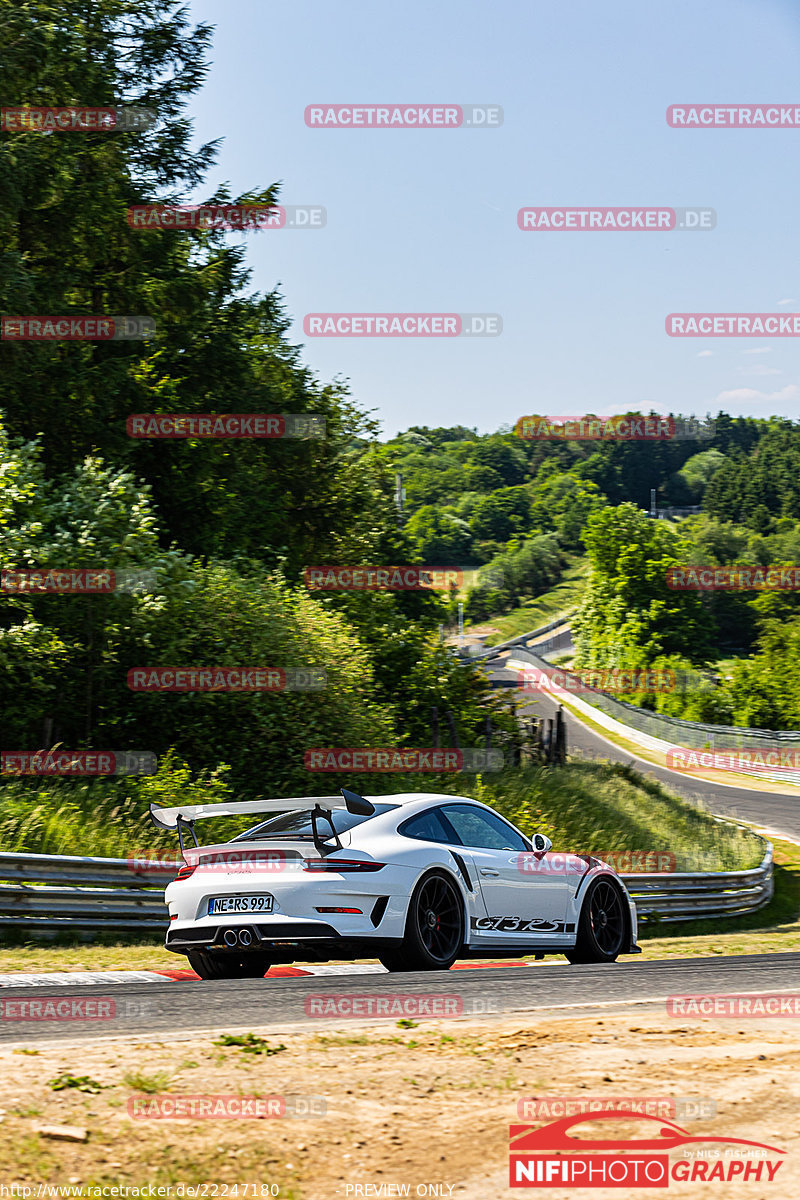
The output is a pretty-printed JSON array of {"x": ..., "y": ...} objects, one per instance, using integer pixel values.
[
  {"x": 561, "y": 600},
  {"x": 584, "y": 807}
]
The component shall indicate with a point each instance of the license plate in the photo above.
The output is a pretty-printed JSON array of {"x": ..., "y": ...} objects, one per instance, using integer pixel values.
[{"x": 239, "y": 904}]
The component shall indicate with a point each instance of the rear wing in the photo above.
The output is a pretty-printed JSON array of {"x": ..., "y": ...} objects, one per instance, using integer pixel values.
[{"x": 185, "y": 816}]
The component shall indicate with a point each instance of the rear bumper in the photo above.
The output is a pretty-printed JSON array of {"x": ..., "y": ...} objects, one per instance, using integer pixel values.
[{"x": 210, "y": 937}]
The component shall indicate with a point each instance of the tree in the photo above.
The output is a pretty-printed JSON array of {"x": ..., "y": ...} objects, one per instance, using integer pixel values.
[
  {"x": 503, "y": 455},
  {"x": 68, "y": 248},
  {"x": 563, "y": 502},
  {"x": 763, "y": 483},
  {"x": 629, "y": 616},
  {"x": 438, "y": 536},
  {"x": 526, "y": 569},
  {"x": 503, "y": 514},
  {"x": 696, "y": 474}
]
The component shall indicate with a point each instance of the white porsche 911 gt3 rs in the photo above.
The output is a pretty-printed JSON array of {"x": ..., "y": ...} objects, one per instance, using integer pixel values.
[{"x": 415, "y": 880}]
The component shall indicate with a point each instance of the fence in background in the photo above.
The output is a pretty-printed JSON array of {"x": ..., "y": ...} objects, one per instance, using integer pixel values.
[{"x": 692, "y": 734}]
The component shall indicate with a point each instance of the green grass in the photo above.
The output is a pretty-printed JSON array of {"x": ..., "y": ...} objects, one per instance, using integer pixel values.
[
  {"x": 561, "y": 600},
  {"x": 584, "y": 807},
  {"x": 249, "y": 1043},
  {"x": 104, "y": 817},
  {"x": 151, "y": 1084},
  {"x": 773, "y": 929},
  {"x": 599, "y": 807},
  {"x": 82, "y": 1083}
]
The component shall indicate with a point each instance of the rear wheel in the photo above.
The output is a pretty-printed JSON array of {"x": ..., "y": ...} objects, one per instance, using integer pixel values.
[
  {"x": 434, "y": 928},
  {"x": 228, "y": 966},
  {"x": 602, "y": 927},
  {"x": 393, "y": 960}
]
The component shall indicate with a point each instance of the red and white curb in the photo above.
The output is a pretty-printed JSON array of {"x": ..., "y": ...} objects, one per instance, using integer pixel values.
[{"x": 21, "y": 979}]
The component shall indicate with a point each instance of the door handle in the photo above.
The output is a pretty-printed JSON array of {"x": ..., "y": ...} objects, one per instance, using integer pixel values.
[{"x": 487, "y": 871}]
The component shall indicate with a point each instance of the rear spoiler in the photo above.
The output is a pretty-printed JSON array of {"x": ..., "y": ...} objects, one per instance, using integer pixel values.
[{"x": 186, "y": 815}]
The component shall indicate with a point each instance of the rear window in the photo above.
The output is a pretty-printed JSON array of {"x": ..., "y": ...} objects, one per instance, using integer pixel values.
[
  {"x": 298, "y": 824},
  {"x": 429, "y": 826}
]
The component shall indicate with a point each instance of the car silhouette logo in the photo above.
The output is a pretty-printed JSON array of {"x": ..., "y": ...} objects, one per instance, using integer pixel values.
[{"x": 555, "y": 1135}]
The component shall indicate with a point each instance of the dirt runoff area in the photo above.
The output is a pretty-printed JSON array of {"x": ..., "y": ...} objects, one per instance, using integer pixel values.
[{"x": 396, "y": 1109}]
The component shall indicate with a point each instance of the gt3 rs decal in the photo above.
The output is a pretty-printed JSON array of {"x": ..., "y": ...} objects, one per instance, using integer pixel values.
[{"x": 521, "y": 925}]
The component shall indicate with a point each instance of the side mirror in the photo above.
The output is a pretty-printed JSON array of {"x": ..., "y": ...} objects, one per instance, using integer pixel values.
[{"x": 541, "y": 844}]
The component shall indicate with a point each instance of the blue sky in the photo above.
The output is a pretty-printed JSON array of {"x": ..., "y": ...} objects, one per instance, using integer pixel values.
[{"x": 425, "y": 220}]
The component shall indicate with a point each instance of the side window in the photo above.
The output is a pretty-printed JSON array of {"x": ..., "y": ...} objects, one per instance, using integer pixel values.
[
  {"x": 429, "y": 827},
  {"x": 483, "y": 830}
]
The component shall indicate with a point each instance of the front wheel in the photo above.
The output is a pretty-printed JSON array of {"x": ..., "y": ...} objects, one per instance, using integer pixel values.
[
  {"x": 434, "y": 931},
  {"x": 602, "y": 926},
  {"x": 228, "y": 966}
]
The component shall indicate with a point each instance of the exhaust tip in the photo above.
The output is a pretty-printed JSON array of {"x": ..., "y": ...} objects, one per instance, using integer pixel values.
[
  {"x": 245, "y": 937},
  {"x": 229, "y": 937}
]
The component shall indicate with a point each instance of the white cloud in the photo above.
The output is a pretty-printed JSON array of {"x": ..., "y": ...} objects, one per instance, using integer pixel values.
[
  {"x": 788, "y": 302},
  {"x": 760, "y": 369},
  {"x": 759, "y": 350},
  {"x": 705, "y": 354},
  {"x": 751, "y": 402}
]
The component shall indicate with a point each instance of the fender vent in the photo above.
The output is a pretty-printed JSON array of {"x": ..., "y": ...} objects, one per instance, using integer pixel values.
[
  {"x": 376, "y": 916},
  {"x": 462, "y": 869}
]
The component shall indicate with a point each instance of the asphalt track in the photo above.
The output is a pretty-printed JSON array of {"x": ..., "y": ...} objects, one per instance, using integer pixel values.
[
  {"x": 179, "y": 1008},
  {"x": 185, "y": 1007},
  {"x": 780, "y": 814}
]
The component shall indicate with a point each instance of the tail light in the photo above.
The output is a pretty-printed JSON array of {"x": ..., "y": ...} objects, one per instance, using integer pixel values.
[
  {"x": 185, "y": 871},
  {"x": 341, "y": 865}
]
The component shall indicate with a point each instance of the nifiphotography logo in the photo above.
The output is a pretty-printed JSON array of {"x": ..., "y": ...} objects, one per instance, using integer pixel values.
[{"x": 552, "y": 1156}]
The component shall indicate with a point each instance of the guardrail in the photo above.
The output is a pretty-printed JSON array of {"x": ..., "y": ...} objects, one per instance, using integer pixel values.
[
  {"x": 45, "y": 893},
  {"x": 521, "y": 640},
  {"x": 694, "y": 735},
  {"x": 559, "y": 641},
  {"x": 702, "y": 896},
  {"x": 52, "y": 892}
]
